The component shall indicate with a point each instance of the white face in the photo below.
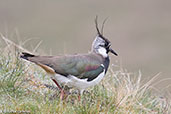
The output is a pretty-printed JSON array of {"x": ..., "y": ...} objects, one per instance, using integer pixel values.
[
  {"x": 102, "y": 51},
  {"x": 97, "y": 46}
]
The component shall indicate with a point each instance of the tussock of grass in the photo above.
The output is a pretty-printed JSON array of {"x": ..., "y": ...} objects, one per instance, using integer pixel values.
[{"x": 22, "y": 88}]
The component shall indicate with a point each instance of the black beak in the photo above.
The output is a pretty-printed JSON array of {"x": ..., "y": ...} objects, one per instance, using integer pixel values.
[{"x": 111, "y": 50}]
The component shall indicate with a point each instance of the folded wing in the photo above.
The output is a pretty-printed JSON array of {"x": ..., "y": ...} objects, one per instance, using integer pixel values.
[{"x": 81, "y": 66}]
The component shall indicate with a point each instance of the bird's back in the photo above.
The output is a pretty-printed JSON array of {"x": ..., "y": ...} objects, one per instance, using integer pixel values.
[{"x": 68, "y": 64}]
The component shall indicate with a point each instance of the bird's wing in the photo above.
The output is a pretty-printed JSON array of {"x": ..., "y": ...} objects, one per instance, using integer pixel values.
[
  {"x": 81, "y": 66},
  {"x": 91, "y": 72}
]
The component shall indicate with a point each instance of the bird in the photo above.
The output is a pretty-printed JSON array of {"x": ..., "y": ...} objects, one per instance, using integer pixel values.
[{"x": 79, "y": 71}]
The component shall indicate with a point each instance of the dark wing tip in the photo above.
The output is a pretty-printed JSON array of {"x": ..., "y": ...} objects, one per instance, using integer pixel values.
[{"x": 25, "y": 55}]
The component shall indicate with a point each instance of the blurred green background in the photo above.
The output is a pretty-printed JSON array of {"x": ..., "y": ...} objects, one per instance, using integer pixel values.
[{"x": 140, "y": 31}]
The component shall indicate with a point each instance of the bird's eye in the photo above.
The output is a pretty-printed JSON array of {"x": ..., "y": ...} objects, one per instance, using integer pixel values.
[
  {"x": 101, "y": 45},
  {"x": 107, "y": 45}
]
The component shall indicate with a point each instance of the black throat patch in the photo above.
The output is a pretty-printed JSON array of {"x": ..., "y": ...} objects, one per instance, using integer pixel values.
[{"x": 106, "y": 63}]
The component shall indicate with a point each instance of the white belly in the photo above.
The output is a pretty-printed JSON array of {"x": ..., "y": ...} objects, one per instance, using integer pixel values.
[
  {"x": 77, "y": 83},
  {"x": 82, "y": 84}
]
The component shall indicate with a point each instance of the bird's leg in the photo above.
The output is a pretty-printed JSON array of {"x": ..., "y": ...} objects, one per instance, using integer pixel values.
[
  {"x": 57, "y": 84},
  {"x": 62, "y": 94},
  {"x": 80, "y": 92},
  {"x": 62, "y": 91},
  {"x": 79, "y": 97}
]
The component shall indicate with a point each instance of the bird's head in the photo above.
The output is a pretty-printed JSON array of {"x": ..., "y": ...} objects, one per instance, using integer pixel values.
[{"x": 102, "y": 45}]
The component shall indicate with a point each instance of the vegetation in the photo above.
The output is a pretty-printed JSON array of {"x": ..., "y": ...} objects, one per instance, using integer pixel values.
[{"x": 24, "y": 87}]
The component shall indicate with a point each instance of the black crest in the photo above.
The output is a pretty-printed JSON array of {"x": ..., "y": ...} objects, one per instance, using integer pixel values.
[{"x": 101, "y": 33}]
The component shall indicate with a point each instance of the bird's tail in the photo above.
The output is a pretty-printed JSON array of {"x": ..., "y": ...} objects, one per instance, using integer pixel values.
[
  {"x": 26, "y": 55},
  {"x": 39, "y": 60}
]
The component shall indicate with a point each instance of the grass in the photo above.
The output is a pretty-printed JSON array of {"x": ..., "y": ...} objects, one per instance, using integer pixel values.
[{"x": 23, "y": 90}]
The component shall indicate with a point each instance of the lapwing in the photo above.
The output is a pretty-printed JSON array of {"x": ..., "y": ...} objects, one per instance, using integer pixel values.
[{"x": 78, "y": 71}]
